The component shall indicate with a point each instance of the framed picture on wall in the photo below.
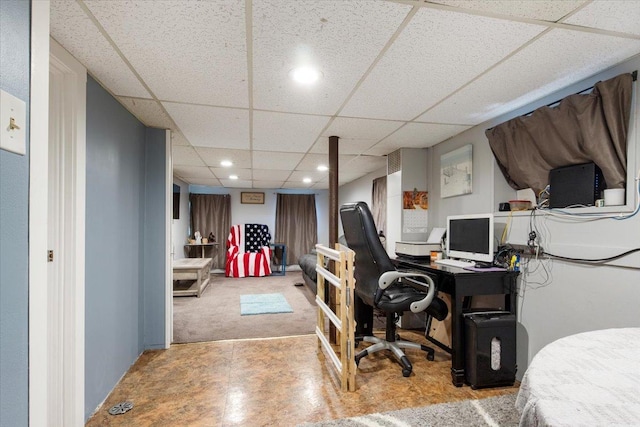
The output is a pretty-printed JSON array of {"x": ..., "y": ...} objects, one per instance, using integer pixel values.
[
  {"x": 456, "y": 172},
  {"x": 251, "y": 198}
]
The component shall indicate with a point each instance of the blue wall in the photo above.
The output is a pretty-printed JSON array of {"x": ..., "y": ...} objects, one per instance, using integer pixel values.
[
  {"x": 125, "y": 234},
  {"x": 154, "y": 239},
  {"x": 14, "y": 197}
]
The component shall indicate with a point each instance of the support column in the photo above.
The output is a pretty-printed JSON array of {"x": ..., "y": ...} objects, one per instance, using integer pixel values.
[{"x": 333, "y": 222}]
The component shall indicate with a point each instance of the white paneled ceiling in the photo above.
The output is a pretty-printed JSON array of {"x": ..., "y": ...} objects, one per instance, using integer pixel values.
[{"x": 396, "y": 73}]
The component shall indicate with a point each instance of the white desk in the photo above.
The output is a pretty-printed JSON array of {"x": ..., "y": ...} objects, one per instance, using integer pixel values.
[
  {"x": 589, "y": 379},
  {"x": 197, "y": 269}
]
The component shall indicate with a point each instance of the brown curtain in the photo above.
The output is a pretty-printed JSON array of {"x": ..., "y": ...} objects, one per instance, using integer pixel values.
[
  {"x": 211, "y": 213},
  {"x": 581, "y": 129},
  {"x": 296, "y": 224},
  {"x": 379, "y": 203}
]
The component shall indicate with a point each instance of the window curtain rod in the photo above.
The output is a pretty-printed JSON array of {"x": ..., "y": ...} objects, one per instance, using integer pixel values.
[{"x": 634, "y": 77}]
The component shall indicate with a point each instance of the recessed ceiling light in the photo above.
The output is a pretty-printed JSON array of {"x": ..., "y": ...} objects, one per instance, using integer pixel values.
[
  {"x": 305, "y": 75},
  {"x": 233, "y": 176},
  {"x": 226, "y": 163},
  {"x": 323, "y": 168},
  {"x": 306, "y": 180}
]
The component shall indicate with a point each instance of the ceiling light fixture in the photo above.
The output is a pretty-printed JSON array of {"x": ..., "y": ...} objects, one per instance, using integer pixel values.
[
  {"x": 233, "y": 176},
  {"x": 226, "y": 163},
  {"x": 307, "y": 180},
  {"x": 305, "y": 75},
  {"x": 323, "y": 168}
]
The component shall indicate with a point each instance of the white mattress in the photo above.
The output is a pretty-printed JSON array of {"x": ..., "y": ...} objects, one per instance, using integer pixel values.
[{"x": 588, "y": 379}]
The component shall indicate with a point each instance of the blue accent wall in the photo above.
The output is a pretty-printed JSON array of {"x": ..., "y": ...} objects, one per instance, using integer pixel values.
[
  {"x": 154, "y": 238},
  {"x": 14, "y": 222},
  {"x": 125, "y": 244}
]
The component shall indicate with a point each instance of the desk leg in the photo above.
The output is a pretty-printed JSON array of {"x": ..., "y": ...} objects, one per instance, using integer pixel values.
[{"x": 457, "y": 341}]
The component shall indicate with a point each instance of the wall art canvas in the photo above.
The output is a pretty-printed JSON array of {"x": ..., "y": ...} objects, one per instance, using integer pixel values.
[{"x": 456, "y": 172}]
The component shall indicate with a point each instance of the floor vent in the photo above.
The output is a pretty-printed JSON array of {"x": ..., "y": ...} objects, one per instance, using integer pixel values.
[{"x": 121, "y": 408}]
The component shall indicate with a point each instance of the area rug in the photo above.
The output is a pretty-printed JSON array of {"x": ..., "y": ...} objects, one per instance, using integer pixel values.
[
  {"x": 216, "y": 314},
  {"x": 493, "y": 411},
  {"x": 264, "y": 304}
]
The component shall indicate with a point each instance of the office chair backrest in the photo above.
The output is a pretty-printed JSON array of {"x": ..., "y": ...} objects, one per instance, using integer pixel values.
[{"x": 371, "y": 258}]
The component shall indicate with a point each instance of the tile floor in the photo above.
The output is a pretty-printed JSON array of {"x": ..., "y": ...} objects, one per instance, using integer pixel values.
[{"x": 272, "y": 382}]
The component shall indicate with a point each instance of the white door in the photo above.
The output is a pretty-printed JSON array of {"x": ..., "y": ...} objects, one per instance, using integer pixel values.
[{"x": 65, "y": 239}]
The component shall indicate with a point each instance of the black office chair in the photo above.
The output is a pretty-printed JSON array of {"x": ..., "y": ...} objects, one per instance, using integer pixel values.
[{"x": 378, "y": 285}]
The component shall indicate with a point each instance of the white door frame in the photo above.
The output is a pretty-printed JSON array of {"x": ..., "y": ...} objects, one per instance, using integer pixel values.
[
  {"x": 168, "y": 308},
  {"x": 45, "y": 367}
]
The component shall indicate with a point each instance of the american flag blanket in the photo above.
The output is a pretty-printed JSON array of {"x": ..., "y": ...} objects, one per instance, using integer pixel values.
[{"x": 248, "y": 252}]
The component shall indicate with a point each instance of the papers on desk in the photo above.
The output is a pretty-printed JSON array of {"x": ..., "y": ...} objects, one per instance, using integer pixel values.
[{"x": 436, "y": 235}]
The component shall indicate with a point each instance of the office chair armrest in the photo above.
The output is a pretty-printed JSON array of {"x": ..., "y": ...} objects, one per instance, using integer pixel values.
[{"x": 388, "y": 277}]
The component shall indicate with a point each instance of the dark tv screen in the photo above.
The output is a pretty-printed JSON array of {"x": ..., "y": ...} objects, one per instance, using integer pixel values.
[{"x": 176, "y": 201}]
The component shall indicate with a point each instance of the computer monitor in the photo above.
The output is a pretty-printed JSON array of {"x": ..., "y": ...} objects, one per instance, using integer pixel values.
[{"x": 470, "y": 237}]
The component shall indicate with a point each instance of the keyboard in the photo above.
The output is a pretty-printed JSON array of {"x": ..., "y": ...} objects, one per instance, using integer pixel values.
[{"x": 455, "y": 263}]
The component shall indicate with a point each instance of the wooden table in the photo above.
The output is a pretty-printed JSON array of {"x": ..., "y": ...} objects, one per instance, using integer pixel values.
[
  {"x": 198, "y": 269},
  {"x": 202, "y": 246}
]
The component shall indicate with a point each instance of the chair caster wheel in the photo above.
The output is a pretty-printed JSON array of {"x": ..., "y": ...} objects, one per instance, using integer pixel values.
[
  {"x": 406, "y": 372},
  {"x": 430, "y": 357}
]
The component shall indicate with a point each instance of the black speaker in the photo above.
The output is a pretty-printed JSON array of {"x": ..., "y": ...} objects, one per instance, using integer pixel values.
[{"x": 579, "y": 185}]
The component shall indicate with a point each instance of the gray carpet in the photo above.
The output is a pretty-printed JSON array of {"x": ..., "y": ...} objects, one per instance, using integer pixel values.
[
  {"x": 216, "y": 314},
  {"x": 494, "y": 411}
]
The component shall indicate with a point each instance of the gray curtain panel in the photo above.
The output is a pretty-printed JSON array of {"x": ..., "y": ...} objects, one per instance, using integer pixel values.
[
  {"x": 580, "y": 129},
  {"x": 211, "y": 213},
  {"x": 379, "y": 203},
  {"x": 296, "y": 224}
]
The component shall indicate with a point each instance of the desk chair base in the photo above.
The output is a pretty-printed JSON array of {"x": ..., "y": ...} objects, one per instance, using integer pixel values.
[{"x": 380, "y": 344}]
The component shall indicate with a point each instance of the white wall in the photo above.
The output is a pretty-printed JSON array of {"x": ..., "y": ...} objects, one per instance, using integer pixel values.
[
  {"x": 358, "y": 190},
  {"x": 559, "y": 298},
  {"x": 180, "y": 227}
]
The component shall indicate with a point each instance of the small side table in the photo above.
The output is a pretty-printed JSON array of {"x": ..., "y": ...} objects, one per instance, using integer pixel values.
[{"x": 279, "y": 269}]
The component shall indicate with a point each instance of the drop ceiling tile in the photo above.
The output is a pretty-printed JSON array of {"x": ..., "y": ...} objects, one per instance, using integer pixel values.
[
  {"x": 324, "y": 185},
  {"x": 296, "y": 184},
  {"x": 224, "y": 173},
  {"x": 438, "y": 52},
  {"x": 356, "y": 135},
  {"x": 293, "y": 133},
  {"x": 267, "y": 184},
  {"x": 354, "y": 128},
  {"x": 186, "y": 156},
  {"x": 556, "y": 60},
  {"x": 184, "y": 50},
  {"x": 271, "y": 175},
  {"x": 211, "y": 126},
  {"x": 178, "y": 139},
  {"x": 310, "y": 162},
  {"x": 289, "y": 34},
  {"x": 362, "y": 164},
  {"x": 417, "y": 135},
  {"x": 546, "y": 10},
  {"x": 236, "y": 183},
  {"x": 276, "y": 161},
  {"x": 612, "y": 15},
  {"x": 192, "y": 172},
  {"x": 73, "y": 29},
  {"x": 213, "y": 156},
  {"x": 148, "y": 111},
  {"x": 301, "y": 175},
  {"x": 207, "y": 182}
]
